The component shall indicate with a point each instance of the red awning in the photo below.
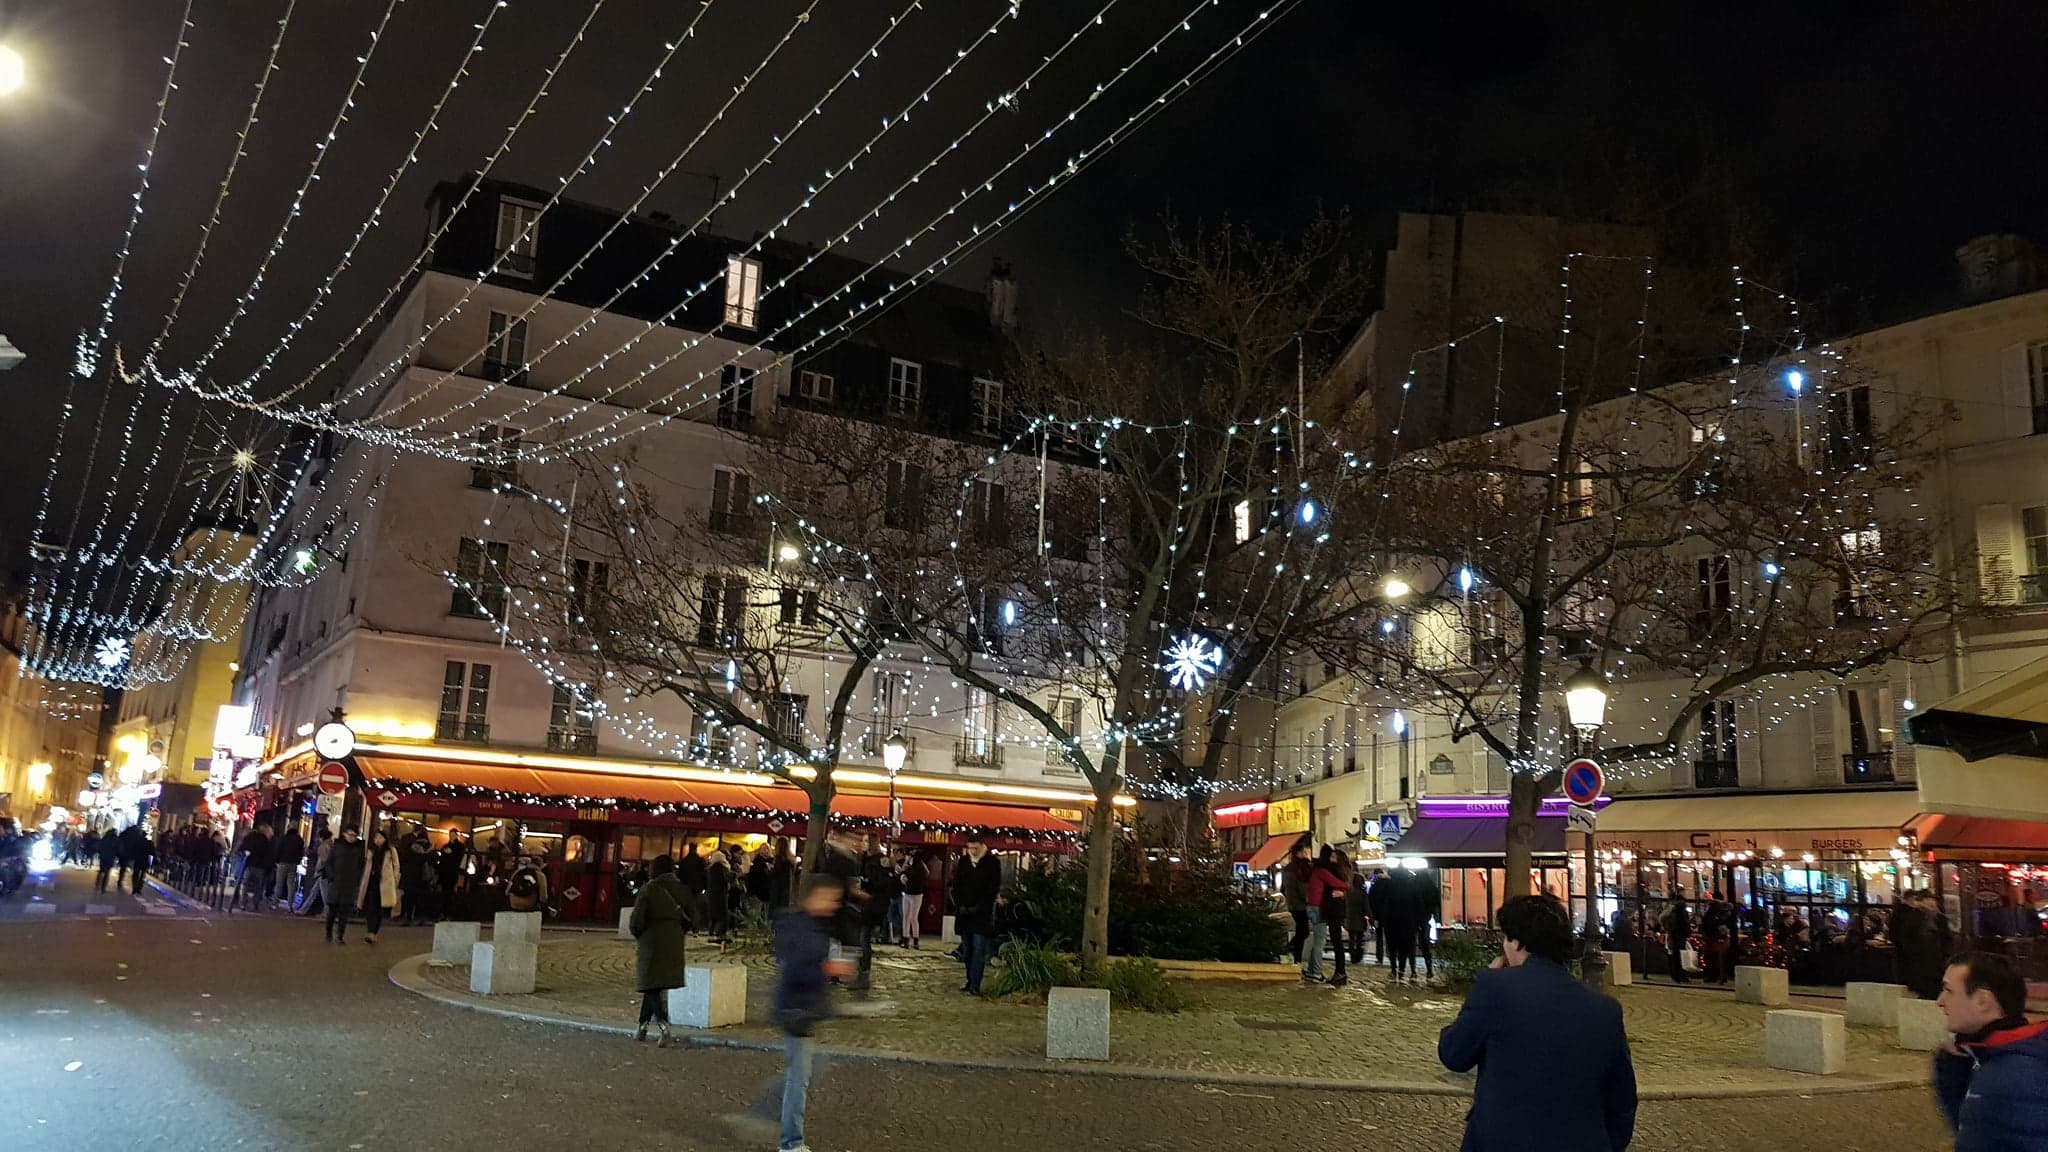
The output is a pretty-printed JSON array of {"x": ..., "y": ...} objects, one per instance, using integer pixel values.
[
  {"x": 1273, "y": 851},
  {"x": 442, "y": 786},
  {"x": 1982, "y": 838}
]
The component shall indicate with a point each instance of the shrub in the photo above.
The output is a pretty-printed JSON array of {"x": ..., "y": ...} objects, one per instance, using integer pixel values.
[
  {"x": 1462, "y": 956},
  {"x": 1194, "y": 912},
  {"x": 1142, "y": 984},
  {"x": 749, "y": 930},
  {"x": 1027, "y": 971}
]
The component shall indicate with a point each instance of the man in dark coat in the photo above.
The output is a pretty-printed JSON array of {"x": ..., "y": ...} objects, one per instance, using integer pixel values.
[
  {"x": 974, "y": 912},
  {"x": 136, "y": 851},
  {"x": 344, "y": 874},
  {"x": 878, "y": 884},
  {"x": 415, "y": 878},
  {"x": 258, "y": 853},
  {"x": 110, "y": 855},
  {"x": 291, "y": 848},
  {"x": 1554, "y": 1067},
  {"x": 1992, "y": 1075},
  {"x": 1376, "y": 908},
  {"x": 690, "y": 870},
  {"x": 660, "y": 925}
]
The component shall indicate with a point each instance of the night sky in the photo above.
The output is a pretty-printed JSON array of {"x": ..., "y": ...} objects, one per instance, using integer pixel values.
[{"x": 1864, "y": 142}]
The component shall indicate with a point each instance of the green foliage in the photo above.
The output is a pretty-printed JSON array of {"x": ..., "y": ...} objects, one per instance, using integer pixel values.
[
  {"x": 1190, "y": 912},
  {"x": 750, "y": 930},
  {"x": 1142, "y": 984},
  {"x": 1028, "y": 971},
  {"x": 1462, "y": 956}
]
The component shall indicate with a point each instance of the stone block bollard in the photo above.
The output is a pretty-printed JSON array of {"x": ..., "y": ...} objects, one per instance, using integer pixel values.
[
  {"x": 523, "y": 927},
  {"x": 1921, "y": 1025},
  {"x": 503, "y": 968},
  {"x": 453, "y": 940},
  {"x": 1620, "y": 973},
  {"x": 1077, "y": 1024},
  {"x": 626, "y": 922},
  {"x": 712, "y": 996},
  {"x": 1874, "y": 1005},
  {"x": 1771, "y": 987},
  {"x": 1814, "y": 1042}
]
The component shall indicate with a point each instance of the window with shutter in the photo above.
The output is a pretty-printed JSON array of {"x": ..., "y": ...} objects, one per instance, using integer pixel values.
[
  {"x": 903, "y": 503},
  {"x": 1821, "y": 716},
  {"x": 505, "y": 349},
  {"x": 518, "y": 237},
  {"x": 736, "y": 397},
  {"x": 742, "y": 292},
  {"x": 732, "y": 501},
  {"x": 1995, "y": 569}
]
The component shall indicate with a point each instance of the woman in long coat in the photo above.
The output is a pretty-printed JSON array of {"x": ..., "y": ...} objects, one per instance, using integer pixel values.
[
  {"x": 380, "y": 867},
  {"x": 660, "y": 922}
]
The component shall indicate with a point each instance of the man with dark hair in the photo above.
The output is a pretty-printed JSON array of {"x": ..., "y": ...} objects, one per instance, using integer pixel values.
[
  {"x": 1553, "y": 1060},
  {"x": 1992, "y": 1076}
]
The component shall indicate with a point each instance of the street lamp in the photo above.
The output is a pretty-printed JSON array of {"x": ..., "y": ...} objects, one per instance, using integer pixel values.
[
  {"x": 1585, "y": 705},
  {"x": 13, "y": 71},
  {"x": 895, "y": 750}
]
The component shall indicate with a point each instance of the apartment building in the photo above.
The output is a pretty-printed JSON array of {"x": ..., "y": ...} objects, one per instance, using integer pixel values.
[{"x": 407, "y": 625}]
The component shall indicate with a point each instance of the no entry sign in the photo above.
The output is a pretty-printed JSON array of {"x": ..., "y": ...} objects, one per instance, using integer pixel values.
[
  {"x": 333, "y": 779},
  {"x": 1583, "y": 781}
]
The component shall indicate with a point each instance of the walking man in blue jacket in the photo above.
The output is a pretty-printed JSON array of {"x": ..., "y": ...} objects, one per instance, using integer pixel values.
[
  {"x": 1992, "y": 1076},
  {"x": 1554, "y": 1068}
]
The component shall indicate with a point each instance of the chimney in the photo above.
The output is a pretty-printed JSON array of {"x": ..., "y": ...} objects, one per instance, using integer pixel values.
[
  {"x": 1998, "y": 265},
  {"x": 1001, "y": 295}
]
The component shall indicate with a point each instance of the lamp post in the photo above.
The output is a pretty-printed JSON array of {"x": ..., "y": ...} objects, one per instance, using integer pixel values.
[
  {"x": 894, "y": 752},
  {"x": 1585, "y": 703}
]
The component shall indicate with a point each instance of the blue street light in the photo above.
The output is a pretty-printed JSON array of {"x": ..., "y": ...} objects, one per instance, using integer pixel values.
[{"x": 1795, "y": 380}]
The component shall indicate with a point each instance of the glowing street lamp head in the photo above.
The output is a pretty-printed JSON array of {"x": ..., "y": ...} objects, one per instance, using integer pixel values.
[
  {"x": 895, "y": 750},
  {"x": 13, "y": 71},
  {"x": 1395, "y": 588},
  {"x": 1795, "y": 381}
]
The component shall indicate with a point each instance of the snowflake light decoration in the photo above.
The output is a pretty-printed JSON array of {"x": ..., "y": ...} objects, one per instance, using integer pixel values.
[
  {"x": 112, "y": 652},
  {"x": 1191, "y": 660}
]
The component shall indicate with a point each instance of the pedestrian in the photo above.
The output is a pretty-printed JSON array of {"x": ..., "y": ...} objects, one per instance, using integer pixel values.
[
  {"x": 291, "y": 848},
  {"x": 1991, "y": 1075},
  {"x": 1677, "y": 938},
  {"x": 526, "y": 890},
  {"x": 878, "y": 882},
  {"x": 913, "y": 878},
  {"x": 660, "y": 924},
  {"x": 1355, "y": 907},
  {"x": 1376, "y": 909},
  {"x": 130, "y": 837},
  {"x": 1553, "y": 1060},
  {"x": 341, "y": 876},
  {"x": 313, "y": 885},
  {"x": 758, "y": 880},
  {"x": 690, "y": 870},
  {"x": 138, "y": 863},
  {"x": 1294, "y": 890},
  {"x": 447, "y": 877},
  {"x": 1322, "y": 883},
  {"x": 1426, "y": 904},
  {"x": 805, "y": 957},
  {"x": 717, "y": 897},
  {"x": 781, "y": 878},
  {"x": 110, "y": 856},
  {"x": 377, "y": 891},
  {"x": 975, "y": 910},
  {"x": 415, "y": 879},
  {"x": 258, "y": 853},
  {"x": 1399, "y": 919},
  {"x": 1717, "y": 936},
  {"x": 1335, "y": 902}
]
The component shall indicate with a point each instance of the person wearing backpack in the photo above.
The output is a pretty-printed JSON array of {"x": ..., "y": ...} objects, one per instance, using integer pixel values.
[
  {"x": 527, "y": 889},
  {"x": 660, "y": 925}
]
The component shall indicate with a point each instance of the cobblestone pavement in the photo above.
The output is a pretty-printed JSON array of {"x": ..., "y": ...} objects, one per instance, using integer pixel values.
[
  {"x": 1684, "y": 1042},
  {"x": 208, "y": 1034}
]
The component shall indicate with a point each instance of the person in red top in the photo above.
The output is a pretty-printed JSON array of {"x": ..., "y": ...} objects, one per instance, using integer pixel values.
[{"x": 1327, "y": 883}]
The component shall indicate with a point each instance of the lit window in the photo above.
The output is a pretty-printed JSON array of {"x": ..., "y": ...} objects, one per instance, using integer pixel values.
[
  {"x": 742, "y": 292},
  {"x": 1241, "y": 521}
]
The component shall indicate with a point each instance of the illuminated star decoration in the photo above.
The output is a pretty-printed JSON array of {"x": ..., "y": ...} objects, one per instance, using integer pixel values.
[
  {"x": 112, "y": 652},
  {"x": 1191, "y": 660},
  {"x": 241, "y": 480}
]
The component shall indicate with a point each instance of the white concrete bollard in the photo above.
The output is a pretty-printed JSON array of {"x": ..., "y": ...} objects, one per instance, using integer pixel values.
[
  {"x": 523, "y": 927},
  {"x": 1814, "y": 1042},
  {"x": 626, "y": 922},
  {"x": 947, "y": 933},
  {"x": 1077, "y": 1024},
  {"x": 453, "y": 939},
  {"x": 503, "y": 968},
  {"x": 713, "y": 996},
  {"x": 1757, "y": 985},
  {"x": 1620, "y": 972},
  {"x": 1874, "y": 1005},
  {"x": 1922, "y": 1027}
]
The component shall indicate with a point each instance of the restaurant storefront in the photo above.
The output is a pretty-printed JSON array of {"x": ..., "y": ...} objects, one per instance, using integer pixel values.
[
  {"x": 1983, "y": 792},
  {"x": 592, "y": 824},
  {"x": 1462, "y": 840}
]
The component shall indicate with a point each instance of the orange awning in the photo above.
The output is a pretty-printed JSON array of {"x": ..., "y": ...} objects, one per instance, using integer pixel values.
[
  {"x": 1273, "y": 851},
  {"x": 398, "y": 783}
]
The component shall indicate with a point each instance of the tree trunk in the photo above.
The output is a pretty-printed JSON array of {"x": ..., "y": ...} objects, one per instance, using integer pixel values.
[
  {"x": 1095, "y": 913},
  {"x": 1195, "y": 835},
  {"x": 820, "y": 792},
  {"x": 1525, "y": 795}
]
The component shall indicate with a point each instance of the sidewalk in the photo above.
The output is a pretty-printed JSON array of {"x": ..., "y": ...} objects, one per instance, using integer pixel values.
[{"x": 1366, "y": 1036}]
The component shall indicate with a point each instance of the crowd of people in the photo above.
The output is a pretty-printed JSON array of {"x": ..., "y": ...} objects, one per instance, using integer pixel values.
[
  {"x": 1331, "y": 901},
  {"x": 1912, "y": 939}
]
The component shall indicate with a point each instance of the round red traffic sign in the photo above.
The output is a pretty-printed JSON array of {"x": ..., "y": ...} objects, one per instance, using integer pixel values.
[
  {"x": 333, "y": 779},
  {"x": 1583, "y": 781}
]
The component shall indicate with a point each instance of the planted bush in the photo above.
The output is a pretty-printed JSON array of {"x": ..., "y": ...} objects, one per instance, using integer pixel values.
[
  {"x": 1196, "y": 912},
  {"x": 1142, "y": 984},
  {"x": 1462, "y": 956}
]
